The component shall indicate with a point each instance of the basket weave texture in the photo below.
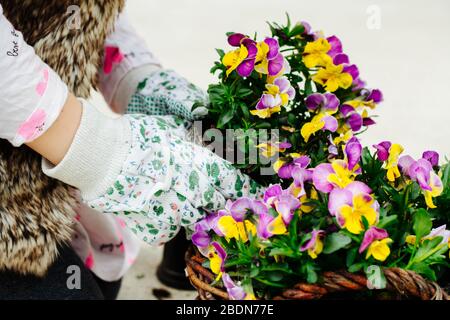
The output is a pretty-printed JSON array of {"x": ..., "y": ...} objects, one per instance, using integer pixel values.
[{"x": 401, "y": 284}]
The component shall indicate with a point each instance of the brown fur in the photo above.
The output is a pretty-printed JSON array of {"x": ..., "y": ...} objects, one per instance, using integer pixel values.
[{"x": 36, "y": 212}]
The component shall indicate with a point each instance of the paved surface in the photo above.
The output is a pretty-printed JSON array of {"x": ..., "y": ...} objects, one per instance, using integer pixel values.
[{"x": 401, "y": 47}]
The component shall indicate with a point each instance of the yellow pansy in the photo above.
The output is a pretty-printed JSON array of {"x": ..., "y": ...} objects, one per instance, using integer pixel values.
[
  {"x": 436, "y": 190},
  {"x": 312, "y": 127},
  {"x": 277, "y": 226},
  {"x": 236, "y": 229},
  {"x": 392, "y": 162},
  {"x": 332, "y": 77},
  {"x": 234, "y": 58},
  {"x": 342, "y": 176},
  {"x": 362, "y": 207},
  {"x": 306, "y": 208},
  {"x": 379, "y": 249},
  {"x": 315, "y": 53}
]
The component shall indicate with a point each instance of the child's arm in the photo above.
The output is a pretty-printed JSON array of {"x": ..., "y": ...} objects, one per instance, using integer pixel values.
[
  {"x": 142, "y": 168},
  {"x": 54, "y": 143}
]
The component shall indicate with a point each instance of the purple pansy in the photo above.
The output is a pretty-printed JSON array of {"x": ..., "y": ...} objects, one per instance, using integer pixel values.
[
  {"x": 235, "y": 292},
  {"x": 353, "y": 150},
  {"x": 383, "y": 150},
  {"x": 282, "y": 201},
  {"x": 432, "y": 157},
  {"x": 372, "y": 234}
]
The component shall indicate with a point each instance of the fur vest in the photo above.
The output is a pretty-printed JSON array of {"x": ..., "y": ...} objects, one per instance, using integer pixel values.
[{"x": 37, "y": 212}]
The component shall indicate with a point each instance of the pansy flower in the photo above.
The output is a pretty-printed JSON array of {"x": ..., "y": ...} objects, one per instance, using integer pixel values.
[
  {"x": 328, "y": 176},
  {"x": 282, "y": 87},
  {"x": 278, "y": 94},
  {"x": 316, "y": 53},
  {"x": 324, "y": 105},
  {"x": 389, "y": 153},
  {"x": 314, "y": 246},
  {"x": 269, "y": 59},
  {"x": 243, "y": 58},
  {"x": 422, "y": 172},
  {"x": 217, "y": 256},
  {"x": 376, "y": 242},
  {"x": 340, "y": 58},
  {"x": 267, "y": 105},
  {"x": 234, "y": 291},
  {"x": 283, "y": 201},
  {"x": 296, "y": 169},
  {"x": 350, "y": 204},
  {"x": 234, "y": 226},
  {"x": 432, "y": 157},
  {"x": 333, "y": 77},
  {"x": 435, "y": 232},
  {"x": 339, "y": 173},
  {"x": 355, "y": 112}
]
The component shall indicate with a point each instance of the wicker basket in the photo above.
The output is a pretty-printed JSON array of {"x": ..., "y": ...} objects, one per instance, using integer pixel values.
[{"x": 401, "y": 284}]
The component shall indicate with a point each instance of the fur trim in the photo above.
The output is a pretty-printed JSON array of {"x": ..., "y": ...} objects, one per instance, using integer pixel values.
[{"x": 36, "y": 212}]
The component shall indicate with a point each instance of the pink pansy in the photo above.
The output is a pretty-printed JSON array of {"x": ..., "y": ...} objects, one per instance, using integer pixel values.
[
  {"x": 200, "y": 237},
  {"x": 242, "y": 206},
  {"x": 234, "y": 291},
  {"x": 372, "y": 234},
  {"x": 314, "y": 246},
  {"x": 282, "y": 201},
  {"x": 440, "y": 232},
  {"x": 34, "y": 126},
  {"x": 113, "y": 55}
]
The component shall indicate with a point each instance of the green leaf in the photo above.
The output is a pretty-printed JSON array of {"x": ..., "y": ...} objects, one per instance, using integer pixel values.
[
  {"x": 427, "y": 248},
  {"x": 311, "y": 274},
  {"x": 275, "y": 276},
  {"x": 225, "y": 118},
  {"x": 221, "y": 53},
  {"x": 356, "y": 267},
  {"x": 422, "y": 224},
  {"x": 424, "y": 269},
  {"x": 387, "y": 221},
  {"x": 297, "y": 30},
  {"x": 351, "y": 256},
  {"x": 334, "y": 242}
]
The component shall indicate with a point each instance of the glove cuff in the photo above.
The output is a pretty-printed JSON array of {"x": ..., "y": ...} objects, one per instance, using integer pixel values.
[{"x": 96, "y": 156}]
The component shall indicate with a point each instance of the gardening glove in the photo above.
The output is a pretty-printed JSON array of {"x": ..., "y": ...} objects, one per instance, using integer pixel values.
[
  {"x": 165, "y": 92},
  {"x": 133, "y": 81},
  {"x": 32, "y": 94},
  {"x": 143, "y": 169}
]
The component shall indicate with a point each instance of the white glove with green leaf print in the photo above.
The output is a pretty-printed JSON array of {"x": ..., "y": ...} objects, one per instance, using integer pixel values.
[
  {"x": 142, "y": 168},
  {"x": 164, "y": 92}
]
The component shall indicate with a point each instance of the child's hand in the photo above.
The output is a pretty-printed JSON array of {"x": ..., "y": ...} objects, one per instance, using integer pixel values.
[
  {"x": 142, "y": 168},
  {"x": 165, "y": 92}
]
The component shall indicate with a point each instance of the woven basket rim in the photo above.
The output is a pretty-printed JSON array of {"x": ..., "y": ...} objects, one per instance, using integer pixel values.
[{"x": 404, "y": 283}]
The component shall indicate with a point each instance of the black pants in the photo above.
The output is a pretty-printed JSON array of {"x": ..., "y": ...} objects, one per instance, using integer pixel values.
[{"x": 54, "y": 286}]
